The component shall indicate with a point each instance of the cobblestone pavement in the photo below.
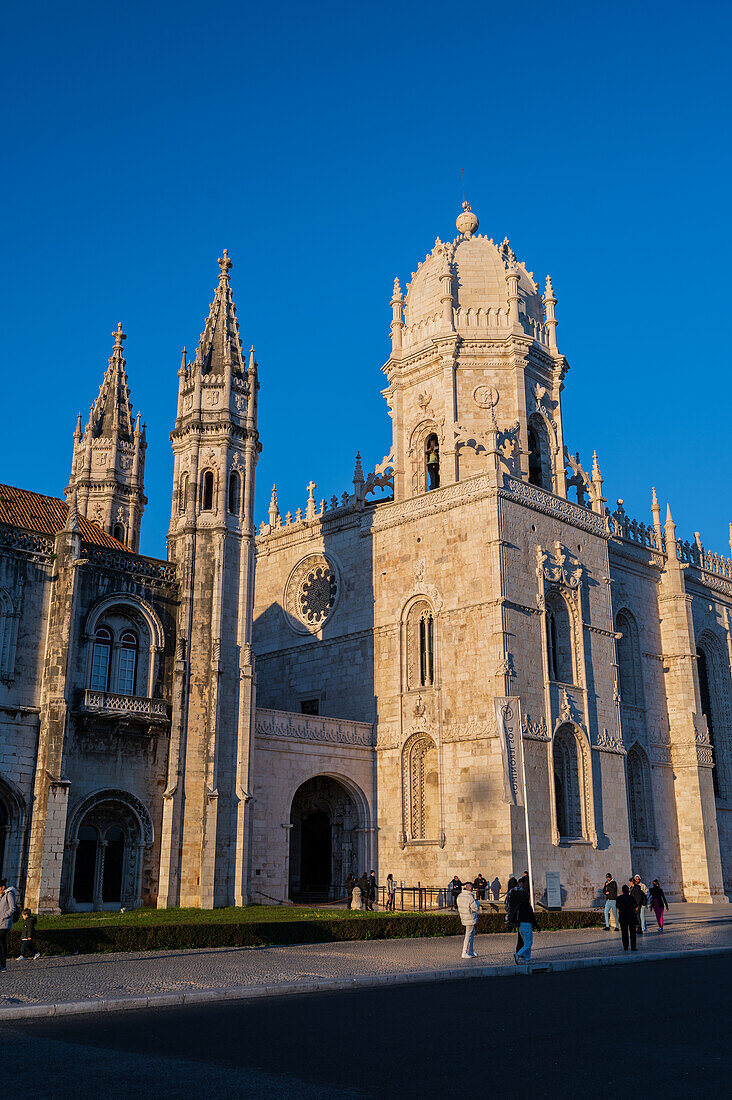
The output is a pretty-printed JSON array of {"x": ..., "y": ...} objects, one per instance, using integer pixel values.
[{"x": 54, "y": 980}]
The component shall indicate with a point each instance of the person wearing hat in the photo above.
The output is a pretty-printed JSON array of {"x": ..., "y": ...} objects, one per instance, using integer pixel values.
[{"x": 468, "y": 909}]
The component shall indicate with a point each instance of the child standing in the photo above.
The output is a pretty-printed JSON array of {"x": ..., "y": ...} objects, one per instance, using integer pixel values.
[{"x": 26, "y": 940}]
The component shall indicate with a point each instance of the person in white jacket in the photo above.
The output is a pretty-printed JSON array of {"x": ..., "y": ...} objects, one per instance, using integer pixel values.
[
  {"x": 8, "y": 904},
  {"x": 468, "y": 908}
]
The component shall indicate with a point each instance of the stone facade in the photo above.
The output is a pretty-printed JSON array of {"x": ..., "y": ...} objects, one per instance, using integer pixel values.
[{"x": 173, "y": 733}]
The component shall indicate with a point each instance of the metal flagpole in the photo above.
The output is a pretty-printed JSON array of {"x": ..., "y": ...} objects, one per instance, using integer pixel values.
[{"x": 526, "y": 820}]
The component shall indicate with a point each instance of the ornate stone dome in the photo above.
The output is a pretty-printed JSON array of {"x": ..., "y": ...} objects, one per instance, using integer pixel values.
[{"x": 478, "y": 267}]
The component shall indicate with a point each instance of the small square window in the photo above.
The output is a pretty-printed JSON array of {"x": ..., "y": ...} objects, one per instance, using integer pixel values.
[{"x": 309, "y": 706}]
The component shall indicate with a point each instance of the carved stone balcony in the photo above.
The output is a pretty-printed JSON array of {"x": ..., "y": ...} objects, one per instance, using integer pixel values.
[{"x": 105, "y": 704}]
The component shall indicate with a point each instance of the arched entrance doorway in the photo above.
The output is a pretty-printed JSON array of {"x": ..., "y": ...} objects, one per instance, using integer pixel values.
[
  {"x": 323, "y": 839},
  {"x": 107, "y": 836}
]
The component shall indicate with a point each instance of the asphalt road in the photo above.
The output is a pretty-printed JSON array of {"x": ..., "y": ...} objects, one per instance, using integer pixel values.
[{"x": 655, "y": 1029}]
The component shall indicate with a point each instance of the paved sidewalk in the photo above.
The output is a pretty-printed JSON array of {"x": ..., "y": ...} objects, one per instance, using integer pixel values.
[{"x": 82, "y": 983}]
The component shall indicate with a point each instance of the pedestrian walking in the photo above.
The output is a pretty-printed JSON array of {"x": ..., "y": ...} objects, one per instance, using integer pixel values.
[
  {"x": 28, "y": 935},
  {"x": 468, "y": 909},
  {"x": 610, "y": 890},
  {"x": 390, "y": 893},
  {"x": 642, "y": 910},
  {"x": 658, "y": 902},
  {"x": 356, "y": 897},
  {"x": 509, "y": 906},
  {"x": 525, "y": 918},
  {"x": 628, "y": 919},
  {"x": 350, "y": 883},
  {"x": 373, "y": 891},
  {"x": 480, "y": 886},
  {"x": 525, "y": 884},
  {"x": 363, "y": 882},
  {"x": 453, "y": 891},
  {"x": 8, "y": 906},
  {"x": 640, "y": 898}
]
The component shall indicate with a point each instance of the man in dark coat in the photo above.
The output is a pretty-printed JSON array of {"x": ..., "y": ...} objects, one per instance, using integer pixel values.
[
  {"x": 373, "y": 890},
  {"x": 627, "y": 918},
  {"x": 480, "y": 886},
  {"x": 453, "y": 890},
  {"x": 363, "y": 882}
]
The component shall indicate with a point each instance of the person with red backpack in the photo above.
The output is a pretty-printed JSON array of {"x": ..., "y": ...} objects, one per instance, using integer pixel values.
[{"x": 9, "y": 912}]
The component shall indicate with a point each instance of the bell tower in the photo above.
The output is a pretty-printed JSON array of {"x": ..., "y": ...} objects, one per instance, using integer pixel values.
[
  {"x": 475, "y": 375},
  {"x": 108, "y": 465},
  {"x": 205, "y": 839}
]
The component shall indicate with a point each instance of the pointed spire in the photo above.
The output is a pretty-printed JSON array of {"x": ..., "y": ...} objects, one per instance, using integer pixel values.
[
  {"x": 252, "y": 361},
  {"x": 730, "y": 538},
  {"x": 72, "y": 519},
  {"x": 598, "y": 501},
  {"x": 275, "y": 519},
  {"x": 358, "y": 477},
  {"x": 183, "y": 362},
  {"x": 670, "y": 532},
  {"x": 596, "y": 475},
  {"x": 550, "y": 303},
  {"x": 77, "y": 430},
  {"x": 111, "y": 413},
  {"x": 219, "y": 347},
  {"x": 656, "y": 512}
]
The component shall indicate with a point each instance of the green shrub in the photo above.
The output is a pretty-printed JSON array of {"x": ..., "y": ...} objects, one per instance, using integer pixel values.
[{"x": 90, "y": 939}]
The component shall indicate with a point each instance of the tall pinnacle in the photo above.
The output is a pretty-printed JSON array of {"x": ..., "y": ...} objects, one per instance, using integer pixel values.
[
  {"x": 219, "y": 348},
  {"x": 111, "y": 413}
]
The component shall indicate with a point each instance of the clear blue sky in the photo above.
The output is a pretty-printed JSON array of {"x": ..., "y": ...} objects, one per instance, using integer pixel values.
[{"x": 322, "y": 144}]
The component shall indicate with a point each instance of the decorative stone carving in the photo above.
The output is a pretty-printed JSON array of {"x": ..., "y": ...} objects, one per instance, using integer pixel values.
[
  {"x": 535, "y": 731},
  {"x": 607, "y": 743},
  {"x": 311, "y": 593},
  {"x": 306, "y": 727},
  {"x": 550, "y": 505},
  {"x": 485, "y": 397}
]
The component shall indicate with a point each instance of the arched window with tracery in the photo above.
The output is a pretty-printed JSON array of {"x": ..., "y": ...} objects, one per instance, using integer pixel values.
[
  {"x": 540, "y": 466},
  {"x": 101, "y": 659},
  {"x": 234, "y": 502},
  {"x": 423, "y": 809},
  {"x": 559, "y": 639},
  {"x": 420, "y": 646},
  {"x": 432, "y": 461},
  {"x": 127, "y": 663},
  {"x": 711, "y": 708},
  {"x": 183, "y": 493},
  {"x": 8, "y": 635},
  {"x": 639, "y": 797},
  {"x": 568, "y": 782},
  {"x": 629, "y": 667},
  {"x": 207, "y": 491},
  {"x": 119, "y": 532}
]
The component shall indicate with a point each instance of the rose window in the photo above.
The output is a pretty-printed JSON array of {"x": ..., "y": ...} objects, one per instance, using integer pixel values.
[
  {"x": 317, "y": 595},
  {"x": 311, "y": 594}
]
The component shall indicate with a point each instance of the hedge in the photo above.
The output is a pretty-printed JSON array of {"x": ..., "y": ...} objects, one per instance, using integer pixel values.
[{"x": 137, "y": 937}]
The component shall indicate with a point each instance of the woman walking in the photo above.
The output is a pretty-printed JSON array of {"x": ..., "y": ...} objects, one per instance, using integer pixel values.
[
  {"x": 658, "y": 902},
  {"x": 390, "y": 892}
]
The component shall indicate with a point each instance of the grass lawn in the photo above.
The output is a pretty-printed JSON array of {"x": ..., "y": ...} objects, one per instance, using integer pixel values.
[{"x": 147, "y": 918}]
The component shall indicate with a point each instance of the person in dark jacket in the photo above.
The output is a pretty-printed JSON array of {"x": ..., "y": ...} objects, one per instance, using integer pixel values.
[
  {"x": 509, "y": 906},
  {"x": 610, "y": 890},
  {"x": 526, "y": 920},
  {"x": 363, "y": 882},
  {"x": 453, "y": 890},
  {"x": 350, "y": 883},
  {"x": 480, "y": 886},
  {"x": 27, "y": 936},
  {"x": 638, "y": 895},
  {"x": 373, "y": 889},
  {"x": 627, "y": 917},
  {"x": 658, "y": 902}
]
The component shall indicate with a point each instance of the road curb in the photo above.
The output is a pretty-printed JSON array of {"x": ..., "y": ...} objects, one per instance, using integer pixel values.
[{"x": 324, "y": 985}]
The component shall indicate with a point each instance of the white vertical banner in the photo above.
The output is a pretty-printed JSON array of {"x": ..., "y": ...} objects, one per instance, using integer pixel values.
[{"x": 508, "y": 721}]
